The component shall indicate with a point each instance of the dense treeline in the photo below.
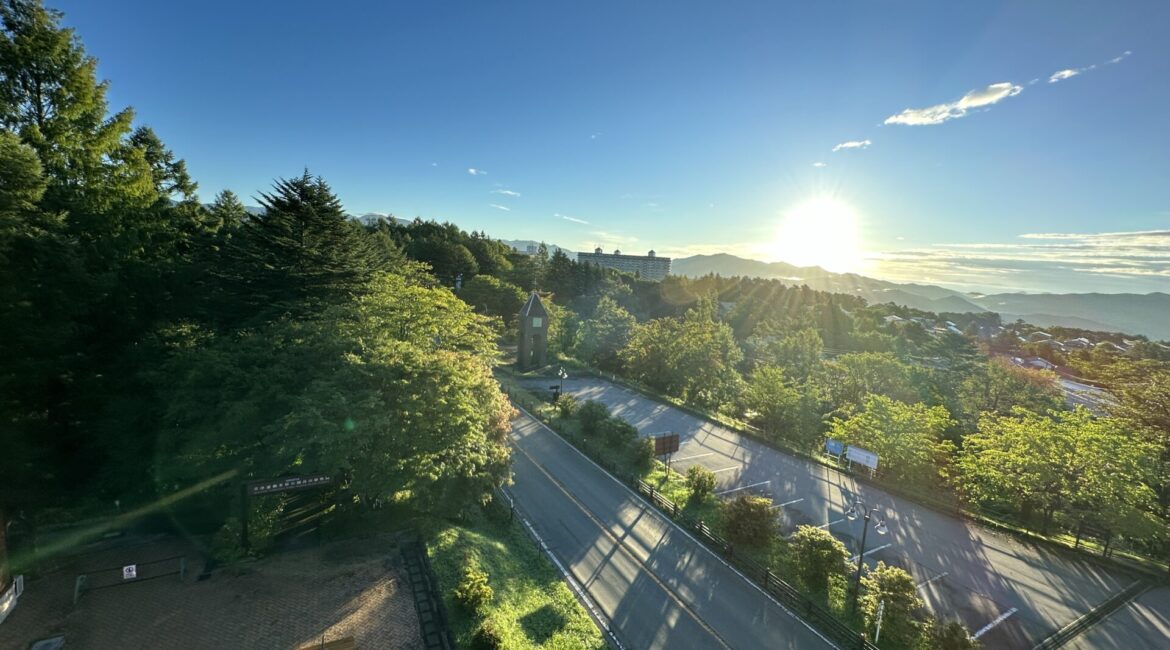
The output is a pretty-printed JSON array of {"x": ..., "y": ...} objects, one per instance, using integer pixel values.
[{"x": 151, "y": 343}]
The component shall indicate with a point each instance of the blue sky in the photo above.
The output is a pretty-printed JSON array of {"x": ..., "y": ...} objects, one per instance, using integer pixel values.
[{"x": 689, "y": 126}]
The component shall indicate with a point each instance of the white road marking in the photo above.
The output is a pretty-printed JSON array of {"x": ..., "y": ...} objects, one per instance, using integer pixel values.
[
  {"x": 725, "y": 469},
  {"x": 926, "y": 582},
  {"x": 836, "y": 521},
  {"x": 788, "y": 503},
  {"x": 679, "y": 460},
  {"x": 872, "y": 550},
  {"x": 999, "y": 619},
  {"x": 742, "y": 488}
]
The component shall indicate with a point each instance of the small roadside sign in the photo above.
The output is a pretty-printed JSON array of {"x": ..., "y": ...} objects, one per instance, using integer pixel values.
[
  {"x": 862, "y": 456},
  {"x": 665, "y": 444},
  {"x": 130, "y": 572},
  {"x": 834, "y": 447}
]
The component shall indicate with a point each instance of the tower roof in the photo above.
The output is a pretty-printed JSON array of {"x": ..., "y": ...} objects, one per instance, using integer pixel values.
[{"x": 534, "y": 307}]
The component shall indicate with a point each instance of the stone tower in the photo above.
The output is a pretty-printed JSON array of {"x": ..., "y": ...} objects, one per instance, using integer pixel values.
[{"x": 532, "y": 348}]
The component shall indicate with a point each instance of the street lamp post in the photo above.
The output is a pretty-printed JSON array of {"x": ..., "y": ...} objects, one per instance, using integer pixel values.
[
  {"x": 858, "y": 510},
  {"x": 563, "y": 375}
]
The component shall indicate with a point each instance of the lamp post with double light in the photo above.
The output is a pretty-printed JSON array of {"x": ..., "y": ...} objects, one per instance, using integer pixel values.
[{"x": 856, "y": 510}]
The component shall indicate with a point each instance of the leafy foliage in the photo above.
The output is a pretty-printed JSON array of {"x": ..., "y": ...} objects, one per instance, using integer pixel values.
[
  {"x": 474, "y": 592},
  {"x": 903, "y": 616},
  {"x": 750, "y": 520},
  {"x": 818, "y": 557},
  {"x": 700, "y": 482},
  {"x": 906, "y": 437}
]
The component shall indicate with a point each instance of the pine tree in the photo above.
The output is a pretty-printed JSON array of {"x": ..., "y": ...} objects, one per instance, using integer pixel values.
[{"x": 302, "y": 254}]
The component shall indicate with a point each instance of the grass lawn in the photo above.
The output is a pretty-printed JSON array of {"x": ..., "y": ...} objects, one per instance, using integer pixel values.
[{"x": 532, "y": 606}]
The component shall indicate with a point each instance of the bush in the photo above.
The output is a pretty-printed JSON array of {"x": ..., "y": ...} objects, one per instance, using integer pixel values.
[
  {"x": 592, "y": 414},
  {"x": 951, "y": 635},
  {"x": 642, "y": 453},
  {"x": 225, "y": 545},
  {"x": 700, "y": 481},
  {"x": 473, "y": 591},
  {"x": 617, "y": 432},
  {"x": 818, "y": 556},
  {"x": 750, "y": 520},
  {"x": 487, "y": 636},
  {"x": 566, "y": 405},
  {"x": 903, "y": 620}
]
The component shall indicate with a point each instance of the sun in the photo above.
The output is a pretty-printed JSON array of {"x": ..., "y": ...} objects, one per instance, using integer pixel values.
[{"x": 820, "y": 232}]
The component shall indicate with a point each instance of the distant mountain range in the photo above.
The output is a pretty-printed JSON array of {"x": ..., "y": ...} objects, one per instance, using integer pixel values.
[{"x": 1147, "y": 314}]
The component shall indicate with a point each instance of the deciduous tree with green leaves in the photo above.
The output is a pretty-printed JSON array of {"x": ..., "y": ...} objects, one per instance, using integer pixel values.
[
  {"x": 819, "y": 557},
  {"x": 906, "y": 437}
]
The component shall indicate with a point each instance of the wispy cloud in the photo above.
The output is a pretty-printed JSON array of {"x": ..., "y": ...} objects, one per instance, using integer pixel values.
[
  {"x": 476, "y": 172},
  {"x": 500, "y": 207},
  {"x": 594, "y": 136},
  {"x": 852, "y": 144},
  {"x": 606, "y": 238},
  {"x": 1061, "y": 75},
  {"x": 506, "y": 193},
  {"x": 1112, "y": 261},
  {"x": 939, "y": 113},
  {"x": 819, "y": 164},
  {"x": 568, "y": 218},
  {"x": 1119, "y": 59}
]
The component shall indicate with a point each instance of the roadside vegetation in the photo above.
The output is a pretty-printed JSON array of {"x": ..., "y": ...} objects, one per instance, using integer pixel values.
[
  {"x": 501, "y": 592},
  {"x": 811, "y": 560}
]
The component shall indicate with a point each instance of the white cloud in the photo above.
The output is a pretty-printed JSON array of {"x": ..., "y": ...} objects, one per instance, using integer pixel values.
[
  {"x": 1135, "y": 261},
  {"x": 940, "y": 113},
  {"x": 1118, "y": 59},
  {"x": 594, "y": 136},
  {"x": 852, "y": 144},
  {"x": 819, "y": 164},
  {"x": 568, "y": 218},
  {"x": 500, "y": 207},
  {"x": 1061, "y": 75},
  {"x": 476, "y": 172},
  {"x": 506, "y": 193},
  {"x": 434, "y": 164}
]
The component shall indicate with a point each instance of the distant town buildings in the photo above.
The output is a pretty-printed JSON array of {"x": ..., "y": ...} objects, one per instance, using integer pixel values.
[{"x": 647, "y": 267}]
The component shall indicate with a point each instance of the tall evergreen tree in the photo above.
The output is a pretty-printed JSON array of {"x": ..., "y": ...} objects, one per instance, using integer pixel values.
[{"x": 302, "y": 254}]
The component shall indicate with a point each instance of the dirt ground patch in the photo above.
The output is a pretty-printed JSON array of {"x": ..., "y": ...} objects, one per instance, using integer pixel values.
[{"x": 353, "y": 588}]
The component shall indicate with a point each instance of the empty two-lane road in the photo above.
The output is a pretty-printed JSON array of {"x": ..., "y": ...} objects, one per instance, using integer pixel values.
[{"x": 656, "y": 586}]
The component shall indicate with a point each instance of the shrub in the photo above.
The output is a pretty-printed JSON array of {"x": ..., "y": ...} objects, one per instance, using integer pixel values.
[
  {"x": 818, "y": 556},
  {"x": 487, "y": 636},
  {"x": 700, "y": 481},
  {"x": 617, "y": 432},
  {"x": 566, "y": 405},
  {"x": 473, "y": 591},
  {"x": 951, "y": 635},
  {"x": 592, "y": 414},
  {"x": 642, "y": 453},
  {"x": 225, "y": 545},
  {"x": 750, "y": 520},
  {"x": 902, "y": 620}
]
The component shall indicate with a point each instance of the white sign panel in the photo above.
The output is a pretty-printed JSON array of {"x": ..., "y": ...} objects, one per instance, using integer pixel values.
[
  {"x": 130, "y": 572},
  {"x": 861, "y": 456}
]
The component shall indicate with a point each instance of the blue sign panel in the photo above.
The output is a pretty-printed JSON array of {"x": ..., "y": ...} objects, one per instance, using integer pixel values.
[{"x": 834, "y": 447}]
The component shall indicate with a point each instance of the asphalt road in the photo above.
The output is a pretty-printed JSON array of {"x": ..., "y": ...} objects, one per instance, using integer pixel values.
[
  {"x": 1137, "y": 625},
  {"x": 1010, "y": 593},
  {"x": 654, "y": 585}
]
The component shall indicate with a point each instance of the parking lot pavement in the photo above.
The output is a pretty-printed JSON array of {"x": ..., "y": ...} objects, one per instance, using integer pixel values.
[{"x": 1143, "y": 623}]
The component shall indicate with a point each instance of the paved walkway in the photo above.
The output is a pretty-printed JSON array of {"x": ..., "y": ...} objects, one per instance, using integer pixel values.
[{"x": 353, "y": 588}]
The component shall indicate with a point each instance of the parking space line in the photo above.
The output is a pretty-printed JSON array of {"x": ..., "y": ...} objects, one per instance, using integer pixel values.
[
  {"x": 744, "y": 487},
  {"x": 872, "y": 550},
  {"x": 999, "y": 619},
  {"x": 930, "y": 580},
  {"x": 835, "y": 521},
  {"x": 679, "y": 460},
  {"x": 725, "y": 469},
  {"x": 788, "y": 503}
]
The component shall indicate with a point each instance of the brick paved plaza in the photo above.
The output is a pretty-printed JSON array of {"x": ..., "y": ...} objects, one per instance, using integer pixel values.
[{"x": 353, "y": 588}]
